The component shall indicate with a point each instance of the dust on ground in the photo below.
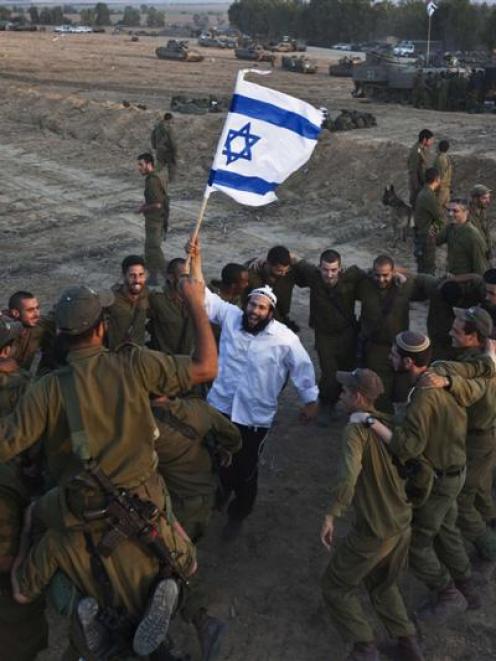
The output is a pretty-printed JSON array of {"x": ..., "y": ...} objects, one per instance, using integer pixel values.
[{"x": 69, "y": 188}]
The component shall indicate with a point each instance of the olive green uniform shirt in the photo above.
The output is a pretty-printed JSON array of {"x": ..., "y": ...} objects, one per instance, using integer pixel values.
[
  {"x": 127, "y": 318},
  {"x": 113, "y": 391},
  {"x": 164, "y": 142},
  {"x": 34, "y": 339},
  {"x": 332, "y": 309},
  {"x": 132, "y": 571},
  {"x": 482, "y": 413},
  {"x": 417, "y": 165},
  {"x": 478, "y": 218},
  {"x": 435, "y": 426},
  {"x": 444, "y": 166},
  {"x": 381, "y": 328},
  {"x": 155, "y": 193},
  {"x": 12, "y": 386},
  {"x": 466, "y": 248},
  {"x": 171, "y": 327},
  {"x": 427, "y": 213},
  {"x": 184, "y": 461},
  {"x": 368, "y": 479}
]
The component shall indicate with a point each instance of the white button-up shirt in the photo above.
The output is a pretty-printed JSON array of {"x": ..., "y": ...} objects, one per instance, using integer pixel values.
[{"x": 254, "y": 368}]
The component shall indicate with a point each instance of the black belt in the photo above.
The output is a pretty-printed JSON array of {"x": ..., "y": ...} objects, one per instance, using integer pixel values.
[{"x": 454, "y": 472}]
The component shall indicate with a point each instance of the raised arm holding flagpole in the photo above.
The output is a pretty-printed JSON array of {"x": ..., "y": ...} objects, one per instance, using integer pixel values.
[{"x": 266, "y": 137}]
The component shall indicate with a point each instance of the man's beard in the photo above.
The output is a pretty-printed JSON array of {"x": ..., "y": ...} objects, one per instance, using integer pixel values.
[{"x": 259, "y": 326}]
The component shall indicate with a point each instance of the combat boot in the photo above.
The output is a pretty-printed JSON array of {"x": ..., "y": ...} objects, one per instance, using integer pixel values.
[
  {"x": 93, "y": 632},
  {"x": 364, "y": 652},
  {"x": 448, "y": 602},
  {"x": 210, "y": 631},
  {"x": 471, "y": 592},
  {"x": 152, "y": 630},
  {"x": 408, "y": 649}
]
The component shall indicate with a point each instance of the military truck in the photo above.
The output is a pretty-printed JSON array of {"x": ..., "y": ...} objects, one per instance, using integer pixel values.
[
  {"x": 298, "y": 63},
  {"x": 178, "y": 50}
]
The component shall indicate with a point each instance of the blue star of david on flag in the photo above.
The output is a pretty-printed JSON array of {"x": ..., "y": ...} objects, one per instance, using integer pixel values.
[{"x": 244, "y": 135}]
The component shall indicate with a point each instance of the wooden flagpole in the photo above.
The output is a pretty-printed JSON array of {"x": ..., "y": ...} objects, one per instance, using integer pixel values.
[{"x": 196, "y": 231}]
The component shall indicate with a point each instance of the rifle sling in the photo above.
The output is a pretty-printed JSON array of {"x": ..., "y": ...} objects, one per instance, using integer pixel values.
[
  {"x": 99, "y": 572},
  {"x": 79, "y": 438}
]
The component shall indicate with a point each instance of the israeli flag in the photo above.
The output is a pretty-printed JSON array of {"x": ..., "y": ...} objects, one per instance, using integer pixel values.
[
  {"x": 267, "y": 136},
  {"x": 431, "y": 8}
]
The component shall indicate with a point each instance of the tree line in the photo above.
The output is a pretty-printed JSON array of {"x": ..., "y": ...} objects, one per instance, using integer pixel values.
[
  {"x": 458, "y": 24},
  {"x": 97, "y": 16}
]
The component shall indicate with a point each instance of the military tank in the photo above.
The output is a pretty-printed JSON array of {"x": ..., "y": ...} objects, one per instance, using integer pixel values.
[
  {"x": 385, "y": 77},
  {"x": 344, "y": 67},
  {"x": 255, "y": 53},
  {"x": 178, "y": 50},
  {"x": 298, "y": 63}
]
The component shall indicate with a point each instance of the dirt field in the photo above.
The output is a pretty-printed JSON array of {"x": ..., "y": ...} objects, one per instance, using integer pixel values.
[{"x": 69, "y": 187}]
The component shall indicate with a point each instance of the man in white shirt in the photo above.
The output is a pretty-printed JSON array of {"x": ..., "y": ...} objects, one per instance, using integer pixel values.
[{"x": 257, "y": 355}]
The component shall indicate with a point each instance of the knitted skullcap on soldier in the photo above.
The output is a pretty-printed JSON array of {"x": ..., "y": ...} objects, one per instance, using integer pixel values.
[{"x": 412, "y": 342}]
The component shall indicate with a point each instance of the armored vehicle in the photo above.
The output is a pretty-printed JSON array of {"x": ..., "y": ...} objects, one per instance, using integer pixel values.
[
  {"x": 255, "y": 53},
  {"x": 178, "y": 50},
  {"x": 344, "y": 67},
  {"x": 298, "y": 63}
]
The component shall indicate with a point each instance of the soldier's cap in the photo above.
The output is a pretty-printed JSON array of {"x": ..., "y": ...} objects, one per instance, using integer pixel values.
[
  {"x": 79, "y": 307},
  {"x": 9, "y": 330},
  {"x": 479, "y": 189},
  {"x": 364, "y": 381},
  {"x": 478, "y": 316},
  {"x": 412, "y": 342},
  {"x": 266, "y": 291}
]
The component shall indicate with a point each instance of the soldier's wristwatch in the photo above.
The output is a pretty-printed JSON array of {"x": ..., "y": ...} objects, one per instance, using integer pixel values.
[{"x": 369, "y": 420}]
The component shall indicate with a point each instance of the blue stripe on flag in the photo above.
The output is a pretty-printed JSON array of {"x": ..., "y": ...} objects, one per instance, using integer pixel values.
[
  {"x": 240, "y": 182},
  {"x": 267, "y": 112}
]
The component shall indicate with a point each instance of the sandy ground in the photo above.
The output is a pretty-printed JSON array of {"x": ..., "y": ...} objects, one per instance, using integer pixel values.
[{"x": 69, "y": 188}]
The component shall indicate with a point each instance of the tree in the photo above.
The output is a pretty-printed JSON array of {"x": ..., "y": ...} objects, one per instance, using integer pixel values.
[
  {"x": 154, "y": 18},
  {"x": 489, "y": 30},
  {"x": 5, "y": 14},
  {"x": 102, "y": 14},
  {"x": 87, "y": 16},
  {"x": 200, "y": 21},
  {"x": 131, "y": 17},
  {"x": 34, "y": 15}
]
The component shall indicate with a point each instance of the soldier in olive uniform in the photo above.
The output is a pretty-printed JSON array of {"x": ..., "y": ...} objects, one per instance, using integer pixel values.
[
  {"x": 276, "y": 272},
  {"x": 171, "y": 327},
  {"x": 332, "y": 316},
  {"x": 480, "y": 199},
  {"x": 194, "y": 435},
  {"x": 156, "y": 212},
  {"x": 23, "y": 628},
  {"x": 112, "y": 392},
  {"x": 417, "y": 163},
  {"x": 385, "y": 298},
  {"x": 428, "y": 220},
  {"x": 433, "y": 434},
  {"x": 444, "y": 165},
  {"x": 234, "y": 281},
  {"x": 375, "y": 550},
  {"x": 470, "y": 331},
  {"x": 466, "y": 245},
  {"x": 164, "y": 143},
  {"x": 34, "y": 347},
  {"x": 127, "y": 315}
]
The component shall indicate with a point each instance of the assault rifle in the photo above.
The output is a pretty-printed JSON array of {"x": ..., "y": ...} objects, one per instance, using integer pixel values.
[{"x": 130, "y": 517}]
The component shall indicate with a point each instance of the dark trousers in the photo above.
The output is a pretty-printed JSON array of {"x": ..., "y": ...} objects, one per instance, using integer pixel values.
[{"x": 241, "y": 477}]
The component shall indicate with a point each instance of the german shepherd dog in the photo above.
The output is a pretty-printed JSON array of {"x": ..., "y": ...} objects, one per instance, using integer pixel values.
[{"x": 401, "y": 214}]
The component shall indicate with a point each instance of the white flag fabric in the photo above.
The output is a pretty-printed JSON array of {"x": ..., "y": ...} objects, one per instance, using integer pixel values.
[
  {"x": 431, "y": 7},
  {"x": 267, "y": 136}
]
